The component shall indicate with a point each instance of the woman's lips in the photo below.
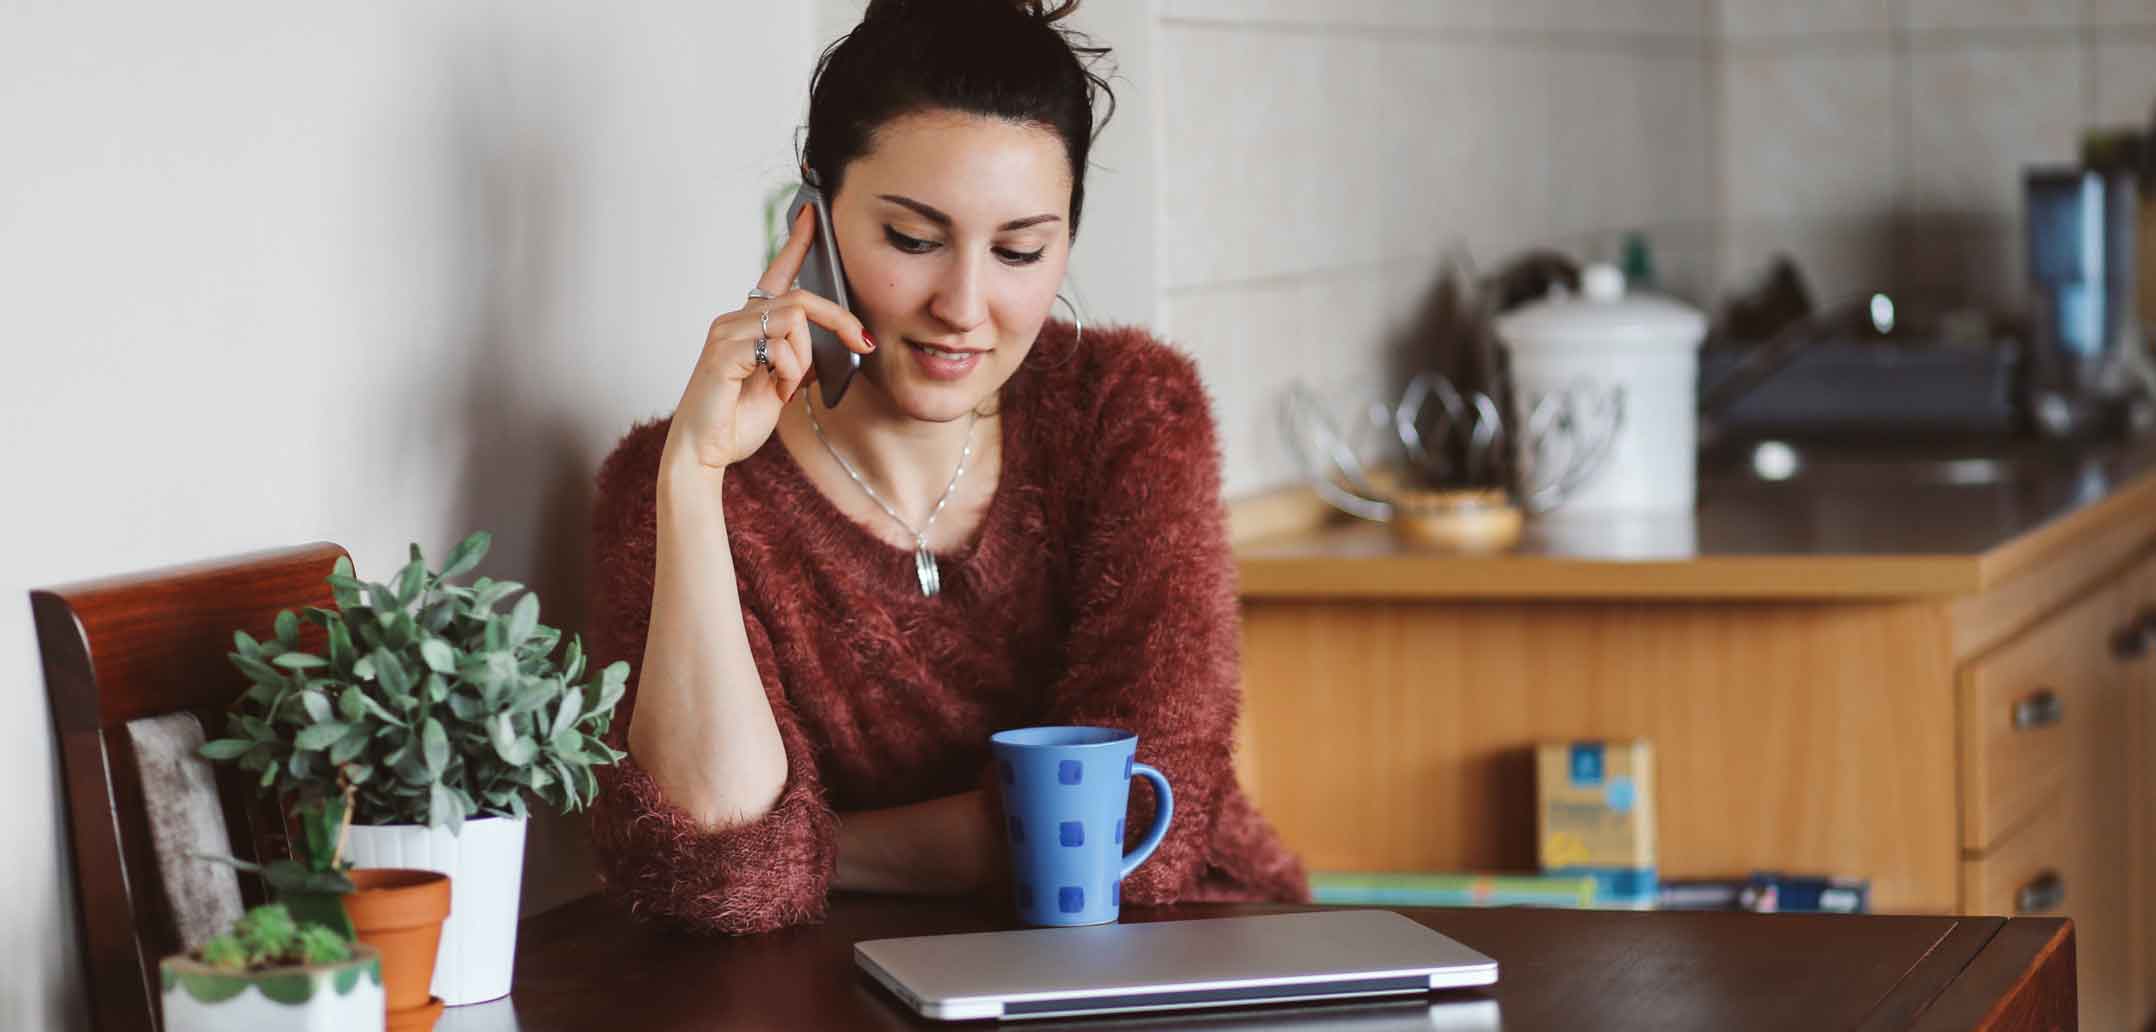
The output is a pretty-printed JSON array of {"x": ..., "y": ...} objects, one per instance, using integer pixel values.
[{"x": 940, "y": 367}]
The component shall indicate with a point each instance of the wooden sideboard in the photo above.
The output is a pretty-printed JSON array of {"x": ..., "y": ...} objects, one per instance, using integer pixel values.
[{"x": 1948, "y": 688}]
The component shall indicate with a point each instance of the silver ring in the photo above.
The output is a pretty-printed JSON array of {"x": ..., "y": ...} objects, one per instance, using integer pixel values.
[
  {"x": 760, "y": 294},
  {"x": 763, "y": 323},
  {"x": 763, "y": 352}
]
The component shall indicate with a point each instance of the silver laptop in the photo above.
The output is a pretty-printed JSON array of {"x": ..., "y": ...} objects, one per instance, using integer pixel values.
[{"x": 1170, "y": 965}]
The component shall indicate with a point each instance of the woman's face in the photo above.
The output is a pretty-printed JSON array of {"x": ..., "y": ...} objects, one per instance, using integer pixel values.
[{"x": 955, "y": 231}]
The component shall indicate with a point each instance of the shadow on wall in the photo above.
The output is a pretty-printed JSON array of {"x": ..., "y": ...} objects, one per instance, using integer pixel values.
[{"x": 525, "y": 474}]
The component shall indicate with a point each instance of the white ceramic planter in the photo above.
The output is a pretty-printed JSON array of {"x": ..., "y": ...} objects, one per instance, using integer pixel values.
[
  {"x": 485, "y": 865},
  {"x": 345, "y": 997}
]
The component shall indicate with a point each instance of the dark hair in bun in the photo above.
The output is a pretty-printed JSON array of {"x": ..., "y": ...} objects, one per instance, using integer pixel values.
[{"x": 1003, "y": 59}]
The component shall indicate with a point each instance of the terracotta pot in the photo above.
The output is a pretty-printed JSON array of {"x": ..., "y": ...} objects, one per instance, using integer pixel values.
[{"x": 400, "y": 912}]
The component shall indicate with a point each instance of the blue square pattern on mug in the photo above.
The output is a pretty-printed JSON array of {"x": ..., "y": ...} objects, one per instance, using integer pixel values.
[
  {"x": 1071, "y": 833},
  {"x": 1070, "y": 772}
]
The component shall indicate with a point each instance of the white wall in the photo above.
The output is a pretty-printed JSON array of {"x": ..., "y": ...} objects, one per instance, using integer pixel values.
[
  {"x": 373, "y": 273},
  {"x": 1317, "y": 157},
  {"x": 1882, "y": 144}
]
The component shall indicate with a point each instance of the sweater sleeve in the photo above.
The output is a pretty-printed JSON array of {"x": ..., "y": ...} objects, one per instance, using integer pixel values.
[
  {"x": 1154, "y": 641},
  {"x": 654, "y": 856}
]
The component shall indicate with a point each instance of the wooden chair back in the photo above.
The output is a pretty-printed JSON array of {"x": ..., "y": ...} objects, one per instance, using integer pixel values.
[{"x": 144, "y": 645}]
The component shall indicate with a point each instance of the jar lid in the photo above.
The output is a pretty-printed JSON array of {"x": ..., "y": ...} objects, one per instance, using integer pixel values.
[{"x": 1604, "y": 318}]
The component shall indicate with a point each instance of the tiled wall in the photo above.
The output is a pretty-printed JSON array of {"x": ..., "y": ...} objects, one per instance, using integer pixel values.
[
  {"x": 1881, "y": 142},
  {"x": 1317, "y": 155}
]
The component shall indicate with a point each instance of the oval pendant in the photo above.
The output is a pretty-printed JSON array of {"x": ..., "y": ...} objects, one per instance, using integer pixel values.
[{"x": 924, "y": 566}]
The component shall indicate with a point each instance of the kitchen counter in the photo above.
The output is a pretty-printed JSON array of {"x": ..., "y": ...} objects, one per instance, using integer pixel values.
[
  {"x": 1874, "y": 524},
  {"x": 1935, "y": 670}
]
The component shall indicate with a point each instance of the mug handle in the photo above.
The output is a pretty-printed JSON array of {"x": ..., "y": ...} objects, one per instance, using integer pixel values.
[{"x": 1162, "y": 814}]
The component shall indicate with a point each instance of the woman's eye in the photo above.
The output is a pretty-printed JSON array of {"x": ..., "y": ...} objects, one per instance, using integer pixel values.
[
  {"x": 1020, "y": 257},
  {"x": 910, "y": 245}
]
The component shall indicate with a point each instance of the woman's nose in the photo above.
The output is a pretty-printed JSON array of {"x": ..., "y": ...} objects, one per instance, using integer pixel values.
[{"x": 959, "y": 301}]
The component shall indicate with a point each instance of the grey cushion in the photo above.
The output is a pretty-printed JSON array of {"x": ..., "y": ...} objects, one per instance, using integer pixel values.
[{"x": 179, "y": 792}]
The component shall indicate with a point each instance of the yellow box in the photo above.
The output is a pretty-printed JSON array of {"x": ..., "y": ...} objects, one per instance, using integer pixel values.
[{"x": 1595, "y": 814}]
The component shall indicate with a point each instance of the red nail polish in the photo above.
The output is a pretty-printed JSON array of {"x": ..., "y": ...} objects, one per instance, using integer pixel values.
[{"x": 870, "y": 341}]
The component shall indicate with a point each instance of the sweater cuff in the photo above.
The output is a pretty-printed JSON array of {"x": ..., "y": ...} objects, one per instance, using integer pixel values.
[{"x": 662, "y": 862}]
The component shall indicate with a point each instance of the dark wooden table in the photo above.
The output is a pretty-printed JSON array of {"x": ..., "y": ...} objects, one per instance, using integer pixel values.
[{"x": 588, "y": 966}]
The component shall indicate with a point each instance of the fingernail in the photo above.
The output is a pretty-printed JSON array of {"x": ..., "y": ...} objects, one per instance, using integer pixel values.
[{"x": 868, "y": 340}]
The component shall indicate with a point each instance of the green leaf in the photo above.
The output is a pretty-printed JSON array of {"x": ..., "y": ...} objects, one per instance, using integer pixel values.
[
  {"x": 258, "y": 671},
  {"x": 382, "y": 598},
  {"x": 610, "y": 693},
  {"x": 377, "y": 710},
  {"x": 350, "y": 746},
  {"x": 348, "y": 705},
  {"x": 340, "y": 646},
  {"x": 387, "y": 670},
  {"x": 224, "y": 749},
  {"x": 317, "y": 706},
  {"x": 444, "y": 810},
  {"x": 257, "y": 728},
  {"x": 467, "y": 708},
  {"x": 321, "y": 736},
  {"x": 523, "y": 619},
  {"x": 531, "y": 695},
  {"x": 437, "y": 689},
  {"x": 288, "y": 629},
  {"x": 438, "y": 615},
  {"x": 435, "y": 742},
  {"x": 412, "y": 580},
  {"x": 300, "y": 661},
  {"x": 616, "y": 672},
  {"x": 439, "y": 657},
  {"x": 515, "y": 750},
  {"x": 246, "y": 644},
  {"x": 490, "y": 594},
  {"x": 572, "y": 664},
  {"x": 342, "y": 585},
  {"x": 566, "y": 780},
  {"x": 565, "y": 717},
  {"x": 358, "y": 773},
  {"x": 466, "y": 556},
  {"x": 269, "y": 776}
]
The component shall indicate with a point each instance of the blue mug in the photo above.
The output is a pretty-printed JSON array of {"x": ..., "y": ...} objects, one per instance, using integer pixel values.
[{"x": 1066, "y": 791}]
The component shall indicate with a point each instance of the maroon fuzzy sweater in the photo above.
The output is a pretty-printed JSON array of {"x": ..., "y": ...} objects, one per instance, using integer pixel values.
[{"x": 1098, "y": 589}]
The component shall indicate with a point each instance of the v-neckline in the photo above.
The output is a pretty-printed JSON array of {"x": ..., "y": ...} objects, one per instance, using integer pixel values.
[{"x": 1009, "y": 418}]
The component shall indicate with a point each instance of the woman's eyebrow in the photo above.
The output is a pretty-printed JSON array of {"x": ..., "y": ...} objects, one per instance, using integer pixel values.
[{"x": 939, "y": 218}]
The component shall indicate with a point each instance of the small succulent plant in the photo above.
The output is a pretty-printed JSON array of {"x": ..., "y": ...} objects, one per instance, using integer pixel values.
[{"x": 267, "y": 937}]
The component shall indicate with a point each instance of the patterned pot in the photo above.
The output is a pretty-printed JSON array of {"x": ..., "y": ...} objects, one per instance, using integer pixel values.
[{"x": 341, "y": 997}]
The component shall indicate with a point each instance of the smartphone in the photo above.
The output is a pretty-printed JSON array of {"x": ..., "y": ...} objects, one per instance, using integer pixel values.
[{"x": 822, "y": 273}]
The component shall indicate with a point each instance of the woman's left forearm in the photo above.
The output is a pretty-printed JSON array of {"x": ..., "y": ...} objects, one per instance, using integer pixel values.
[{"x": 938, "y": 847}]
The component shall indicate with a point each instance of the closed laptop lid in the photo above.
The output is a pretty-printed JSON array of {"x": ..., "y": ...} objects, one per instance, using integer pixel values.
[{"x": 1040, "y": 972}]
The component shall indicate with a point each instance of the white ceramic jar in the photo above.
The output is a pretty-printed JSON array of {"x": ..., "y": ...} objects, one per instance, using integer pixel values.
[{"x": 1645, "y": 346}]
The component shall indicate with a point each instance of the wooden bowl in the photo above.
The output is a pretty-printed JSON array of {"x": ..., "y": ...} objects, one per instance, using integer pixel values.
[{"x": 1459, "y": 520}]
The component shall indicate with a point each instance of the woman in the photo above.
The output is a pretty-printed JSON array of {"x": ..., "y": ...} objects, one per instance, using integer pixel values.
[{"x": 815, "y": 696}]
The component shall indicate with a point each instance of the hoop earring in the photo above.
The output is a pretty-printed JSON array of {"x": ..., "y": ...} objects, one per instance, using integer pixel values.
[{"x": 1076, "y": 321}]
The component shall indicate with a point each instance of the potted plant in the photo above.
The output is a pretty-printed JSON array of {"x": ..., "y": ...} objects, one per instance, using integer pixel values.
[
  {"x": 441, "y": 713},
  {"x": 270, "y": 971}
]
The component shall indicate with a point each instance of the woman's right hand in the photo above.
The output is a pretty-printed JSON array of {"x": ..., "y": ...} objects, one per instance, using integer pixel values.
[{"x": 731, "y": 404}]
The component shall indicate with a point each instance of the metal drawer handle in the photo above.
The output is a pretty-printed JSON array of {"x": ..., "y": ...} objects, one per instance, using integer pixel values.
[
  {"x": 2044, "y": 892},
  {"x": 2132, "y": 641},
  {"x": 2039, "y": 709}
]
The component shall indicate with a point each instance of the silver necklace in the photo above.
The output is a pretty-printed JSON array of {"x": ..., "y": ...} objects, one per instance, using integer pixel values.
[{"x": 924, "y": 562}]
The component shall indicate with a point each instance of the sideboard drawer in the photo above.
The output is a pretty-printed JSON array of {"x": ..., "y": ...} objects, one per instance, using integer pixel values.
[{"x": 2027, "y": 707}]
